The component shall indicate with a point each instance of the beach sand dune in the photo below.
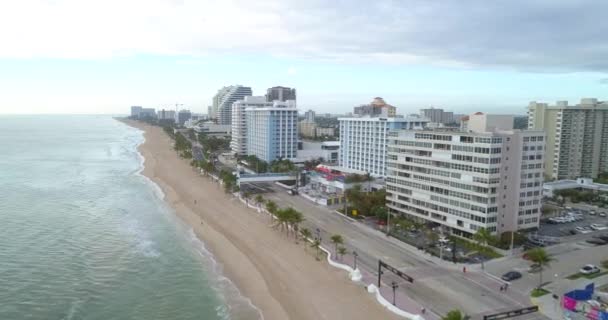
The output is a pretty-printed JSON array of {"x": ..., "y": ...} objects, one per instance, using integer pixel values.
[{"x": 280, "y": 278}]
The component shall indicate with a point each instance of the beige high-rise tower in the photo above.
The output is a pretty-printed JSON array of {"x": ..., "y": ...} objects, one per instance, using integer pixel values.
[{"x": 577, "y": 137}]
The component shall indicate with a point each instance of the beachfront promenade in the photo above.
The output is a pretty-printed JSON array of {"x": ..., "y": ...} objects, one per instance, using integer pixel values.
[{"x": 439, "y": 286}]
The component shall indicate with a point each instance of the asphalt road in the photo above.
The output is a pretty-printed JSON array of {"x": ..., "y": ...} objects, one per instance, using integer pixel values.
[{"x": 440, "y": 288}]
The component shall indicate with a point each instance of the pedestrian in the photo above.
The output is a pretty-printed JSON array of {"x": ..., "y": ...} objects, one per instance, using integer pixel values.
[
  {"x": 423, "y": 310},
  {"x": 501, "y": 288},
  {"x": 464, "y": 269},
  {"x": 506, "y": 286}
]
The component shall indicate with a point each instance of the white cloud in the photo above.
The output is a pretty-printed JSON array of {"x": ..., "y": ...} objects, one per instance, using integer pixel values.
[
  {"x": 292, "y": 71},
  {"x": 523, "y": 34}
]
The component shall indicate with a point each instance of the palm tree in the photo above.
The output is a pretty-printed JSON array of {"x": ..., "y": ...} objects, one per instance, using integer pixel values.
[
  {"x": 295, "y": 219},
  {"x": 259, "y": 199},
  {"x": 337, "y": 239},
  {"x": 455, "y": 315},
  {"x": 316, "y": 244},
  {"x": 482, "y": 236},
  {"x": 271, "y": 207},
  {"x": 542, "y": 258},
  {"x": 306, "y": 234},
  {"x": 341, "y": 252}
]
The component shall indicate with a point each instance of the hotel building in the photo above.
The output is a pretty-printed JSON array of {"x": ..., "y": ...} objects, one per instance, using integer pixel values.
[{"x": 487, "y": 177}]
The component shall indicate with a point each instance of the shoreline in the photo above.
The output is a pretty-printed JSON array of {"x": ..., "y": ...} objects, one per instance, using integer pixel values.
[{"x": 279, "y": 277}]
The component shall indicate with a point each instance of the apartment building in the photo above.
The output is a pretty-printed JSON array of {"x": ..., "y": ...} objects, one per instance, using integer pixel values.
[
  {"x": 437, "y": 115},
  {"x": 363, "y": 141},
  {"x": 465, "y": 181},
  {"x": 272, "y": 131},
  {"x": 223, "y": 100},
  {"x": 577, "y": 137},
  {"x": 238, "y": 143},
  {"x": 280, "y": 93},
  {"x": 377, "y": 108}
]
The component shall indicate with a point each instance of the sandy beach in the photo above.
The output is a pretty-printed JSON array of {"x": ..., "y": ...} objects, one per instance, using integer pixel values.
[{"x": 279, "y": 277}]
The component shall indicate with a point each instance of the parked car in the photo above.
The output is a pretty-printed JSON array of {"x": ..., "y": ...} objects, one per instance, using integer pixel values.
[
  {"x": 596, "y": 226},
  {"x": 592, "y": 213},
  {"x": 511, "y": 275},
  {"x": 602, "y": 214},
  {"x": 597, "y": 241},
  {"x": 589, "y": 269}
]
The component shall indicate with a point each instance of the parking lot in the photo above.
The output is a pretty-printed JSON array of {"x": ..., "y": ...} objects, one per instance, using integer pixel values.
[{"x": 570, "y": 228}]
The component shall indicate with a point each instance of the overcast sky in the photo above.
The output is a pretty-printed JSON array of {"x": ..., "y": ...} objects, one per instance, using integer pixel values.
[{"x": 79, "y": 56}]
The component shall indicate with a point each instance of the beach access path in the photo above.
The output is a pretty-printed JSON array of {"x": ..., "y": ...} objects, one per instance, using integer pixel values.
[{"x": 280, "y": 277}]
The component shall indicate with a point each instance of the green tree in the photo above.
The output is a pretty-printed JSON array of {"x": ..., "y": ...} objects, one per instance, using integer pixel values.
[
  {"x": 542, "y": 258},
  {"x": 271, "y": 206},
  {"x": 259, "y": 199},
  {"x": 316, "y": 244},
  {"x": 482, "y": 237},
  {"x": 455, "y": 315},
  {"x": 337, "y": 240},
  {"x": 341, "y": 252},
  {"x": 306, "y": 234}
]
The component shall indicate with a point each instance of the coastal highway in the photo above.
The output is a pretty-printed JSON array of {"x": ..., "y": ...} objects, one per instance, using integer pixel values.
[{"x": 439, "y": 286}]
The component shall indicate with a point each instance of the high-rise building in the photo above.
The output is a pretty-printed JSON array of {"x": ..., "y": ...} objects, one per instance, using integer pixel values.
[
  {"x": 166, "y": 115},
  {"x": 465, "y": 181},
  {"x": 147, "y": 113},
  {"x": 280, "y": 94},
  {"x": 577, "y": 137},
  {"x": 309, "y": 116},
  {"x": 272, "y": 131},
  {"x": 377, "y": 108},
  {"x": 238, "y": 144},
  {"x": 437, "y": 115},
  {"x": 135, "y": 111},
  {"x": 223, "y": 100},
  {"x": 183, "y": 116},
  {"x": 363, "y": 141}
]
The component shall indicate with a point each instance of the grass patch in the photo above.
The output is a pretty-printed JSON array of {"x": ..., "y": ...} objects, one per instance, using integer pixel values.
[
  {"x": 538, "y": 292},
  {"x": 586, "y": 276},
  {"x": 471, "y": 246}
]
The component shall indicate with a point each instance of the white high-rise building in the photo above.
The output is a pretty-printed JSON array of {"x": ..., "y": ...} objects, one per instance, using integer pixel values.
[
  {"x": 577, "y": 137},
  {"x": 309, "y": 116},
  {"x": 464, "y": 181},
  {"x": 238, "y": 144},
  {"x": 272, "y": 131},
  {"x": 363, "y": 141},
  {"x": 166, "y": 114},
  {"x": 223, "y": 100}
]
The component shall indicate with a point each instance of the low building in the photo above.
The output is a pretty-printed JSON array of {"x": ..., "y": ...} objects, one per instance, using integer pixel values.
[
  {"x": 325, "y": 132},
  {"x": 211, "y": 128},
  {"x": 313, "y": 150},
  {"x": 549, "y": 188},
  {"x": 327, "y": 185}
]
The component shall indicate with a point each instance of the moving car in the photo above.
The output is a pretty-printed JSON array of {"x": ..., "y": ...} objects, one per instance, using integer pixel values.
[
  {"x": 597, "y": 241},
  {"x": 511, "y": 275},
  {"x": 589, "y": 269},
  {"x": 602, "y": 236}
]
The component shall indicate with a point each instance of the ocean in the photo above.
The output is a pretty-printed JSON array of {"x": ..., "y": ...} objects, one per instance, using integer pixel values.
[{"x": 83, "y": 235}]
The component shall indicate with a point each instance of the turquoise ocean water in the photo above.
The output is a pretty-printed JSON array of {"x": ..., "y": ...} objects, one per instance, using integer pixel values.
[{"x": 84, "y": 236}]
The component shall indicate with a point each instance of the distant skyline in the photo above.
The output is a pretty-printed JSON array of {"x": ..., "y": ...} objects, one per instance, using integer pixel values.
[{"x": 68, "y": 56}]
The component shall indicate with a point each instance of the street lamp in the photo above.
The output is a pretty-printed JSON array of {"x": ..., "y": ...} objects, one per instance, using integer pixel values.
[
  {"x": 355, "y": 254},
  {"x": 394, "y": 286}
]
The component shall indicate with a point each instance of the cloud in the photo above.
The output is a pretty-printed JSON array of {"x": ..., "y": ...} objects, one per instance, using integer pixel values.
[
  {"x": 531, "y": 35},
  {"x": 292, "y": 71}
]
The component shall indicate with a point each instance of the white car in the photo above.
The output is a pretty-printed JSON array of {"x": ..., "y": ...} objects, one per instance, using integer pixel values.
[
  {"x": 596, "y": 226},
  {"x": 589, "y": 269}
]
